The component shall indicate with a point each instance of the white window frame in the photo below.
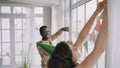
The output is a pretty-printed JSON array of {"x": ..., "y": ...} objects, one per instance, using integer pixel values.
[{"x": 12, "y": 31}]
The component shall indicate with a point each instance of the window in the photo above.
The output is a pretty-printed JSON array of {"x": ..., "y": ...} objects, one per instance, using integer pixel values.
[
  {"x": 13, "y": 26},
  {"x": 5, "y": 23},
  {"x": 78, "y": 21},
  {"x": 5, "y": 9},
  {"x": 79, "y": 16},
  {"x": 38, "y": 10},
  {"x": 38, "y": 23},
  {"x": 18, "y": 10},
  {"x": 90, "y": 8},
  {"x": 5, "y": 40},
  {"x": 74, "y": 23},
  {"x": 5, "y": 53}
]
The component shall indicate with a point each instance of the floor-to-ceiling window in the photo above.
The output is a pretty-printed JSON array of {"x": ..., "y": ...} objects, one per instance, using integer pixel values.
[
  {"x": 15, "y": 23},
  {"x": 81, "y": 11}
]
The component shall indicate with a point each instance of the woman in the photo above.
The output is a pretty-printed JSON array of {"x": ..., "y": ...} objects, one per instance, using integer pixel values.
[{"x": 66, "y": 55}]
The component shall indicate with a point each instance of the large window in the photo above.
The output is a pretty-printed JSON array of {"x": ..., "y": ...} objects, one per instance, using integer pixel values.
[
  {"x": 80, "y": 14},
  {"x": 14, "y": 21},
  {"x": 78, "y": 21},
  {"x": 5, "y": 40}
]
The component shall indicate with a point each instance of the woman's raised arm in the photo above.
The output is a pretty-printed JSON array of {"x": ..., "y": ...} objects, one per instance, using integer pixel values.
[
  {"x": 100, "y": 44},
  {"x": 83, "y": 34}
]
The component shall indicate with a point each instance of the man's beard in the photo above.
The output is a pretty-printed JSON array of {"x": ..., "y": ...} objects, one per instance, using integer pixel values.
[{"x": 45, "y": 38}]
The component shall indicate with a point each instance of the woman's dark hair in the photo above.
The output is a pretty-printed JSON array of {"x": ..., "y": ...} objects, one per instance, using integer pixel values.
[{"x": 61, "y": 57}]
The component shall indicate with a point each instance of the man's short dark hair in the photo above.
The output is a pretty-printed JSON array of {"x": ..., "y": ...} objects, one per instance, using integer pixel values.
[{"x": 42, "y": 28}]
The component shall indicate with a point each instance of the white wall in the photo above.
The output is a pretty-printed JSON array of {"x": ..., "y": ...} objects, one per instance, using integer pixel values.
[
  {"x": 113, "y": 47},
  {"x": 58, "y": 19},
  {"x": 38, "y": 2},
  {"x": 47, "y": 17}
]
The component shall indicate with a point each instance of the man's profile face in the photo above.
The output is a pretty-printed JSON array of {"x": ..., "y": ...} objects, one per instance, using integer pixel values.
[{"x": 45, "y": 33}]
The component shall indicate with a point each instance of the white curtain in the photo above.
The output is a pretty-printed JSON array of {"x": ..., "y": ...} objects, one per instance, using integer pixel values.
[
  {"x": 113, "y": 47},
  {"x": 30, "y": 52},
  {"x": 58, "y": 19}
]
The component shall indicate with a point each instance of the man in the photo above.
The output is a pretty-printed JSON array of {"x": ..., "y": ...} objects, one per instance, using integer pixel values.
[{"x": 47, "y": 39}]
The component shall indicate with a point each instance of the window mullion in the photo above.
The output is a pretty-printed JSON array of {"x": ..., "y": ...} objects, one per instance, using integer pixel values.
[
  {"x": 77, "y": 20},
  {"x": 12, "y": 41},
  {"x": 1, "y": 42},
  {"x": 70, "y": 18}
]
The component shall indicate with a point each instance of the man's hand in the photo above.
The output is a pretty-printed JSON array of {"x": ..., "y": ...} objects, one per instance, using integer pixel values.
[{"x": 65, "y": 28}]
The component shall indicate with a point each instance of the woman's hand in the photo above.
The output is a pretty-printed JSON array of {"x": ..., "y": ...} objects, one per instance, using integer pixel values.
[
  {"x": 70, "y": 42},
  {"x": 101, "y": 5}
]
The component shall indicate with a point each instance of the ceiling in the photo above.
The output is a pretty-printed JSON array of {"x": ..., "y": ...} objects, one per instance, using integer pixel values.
[{"x": 33, "y": 2}]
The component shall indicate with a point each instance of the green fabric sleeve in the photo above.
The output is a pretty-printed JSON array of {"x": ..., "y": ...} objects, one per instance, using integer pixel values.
[{"x": 47, "y": 48}]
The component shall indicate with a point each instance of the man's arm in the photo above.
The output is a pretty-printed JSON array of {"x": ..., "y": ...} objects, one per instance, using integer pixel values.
[{"x": 58, "y": 33}]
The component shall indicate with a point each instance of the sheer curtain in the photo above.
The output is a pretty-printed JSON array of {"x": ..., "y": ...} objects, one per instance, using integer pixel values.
[
  {"x": 31, "y": 36},
  {"x": 28, "y": 36},
  {"x": 113, "y": 47},
  {"x": 60, "y": 18}
]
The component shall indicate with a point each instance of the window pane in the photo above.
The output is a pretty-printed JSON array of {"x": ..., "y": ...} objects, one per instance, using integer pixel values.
[
  {"x": 18, "y": 48},
  {"x": 90, "y": 8},
  {"x": 18, "y": 35},
  {"x": 81, "y": 14},
  {"x": 80, "y": 26},
  {"x": 74, "y": 20},
  {"x": 23, "y": 10},
  {"x": 24, "y": 23},
  {"x": 74, "y": 27},
  {"x": 18, "y": 23},
  {"x": 74, "y": 1},
  {"x": 74, "y": 24},
  {"x": 5, "y": 23},
  {"x": 5, "y": 9},
  {"x": 38, "y": 22},
  {"x": 18, "y": 59},
  {"x": 38, "y": 10},
  {"x": 5, "y": 36},
  {"x": 81, "y": 17},
  {"x": 37, "y": 37},
  {"x": 5, "y": 48},
  {"x": 74, "y": 36},
  {"x": 17, "y": 10},
  {"x": 6, "y": 60}
]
